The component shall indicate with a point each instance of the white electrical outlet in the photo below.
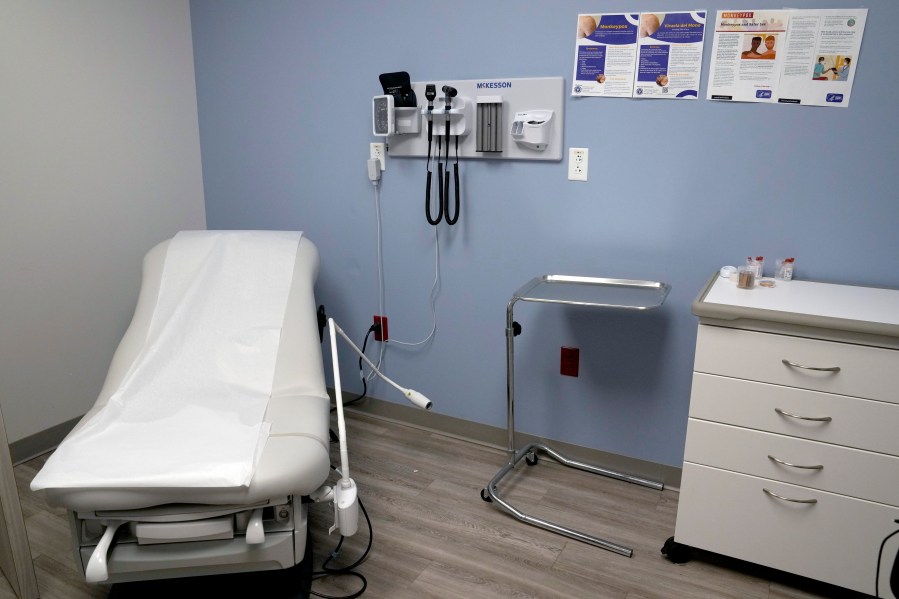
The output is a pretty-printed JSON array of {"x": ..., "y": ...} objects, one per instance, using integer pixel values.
[
  {"x": 379, "y": 151},
  {"x": 577, "y": 164}
]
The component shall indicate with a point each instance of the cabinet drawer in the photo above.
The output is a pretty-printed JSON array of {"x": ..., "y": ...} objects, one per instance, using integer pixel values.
[
  {"x": 860, "y": 423},
  {"x": 869, "y": 372},
  {"x": 852, "y": 472},
  {"x": 835, "y": 540}
]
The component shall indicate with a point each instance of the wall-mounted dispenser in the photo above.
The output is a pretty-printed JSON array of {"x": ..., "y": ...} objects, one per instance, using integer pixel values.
[
  {"x": 533, "y": 128},
  {"x": 490, "y": 124}
]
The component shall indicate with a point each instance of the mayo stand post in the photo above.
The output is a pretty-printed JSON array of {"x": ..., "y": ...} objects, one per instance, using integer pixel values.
[{"x": 574, "y": 291}]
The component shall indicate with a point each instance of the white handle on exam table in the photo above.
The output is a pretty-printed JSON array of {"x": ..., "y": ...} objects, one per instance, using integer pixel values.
[
  {"x": 255, "y": 534},
  {"x": 97, "y": 567}
]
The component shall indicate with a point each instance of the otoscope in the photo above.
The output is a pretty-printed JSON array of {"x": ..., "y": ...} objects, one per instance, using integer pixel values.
[
  {"x": 444, "y": 183},
  {"x": 431, "y": 94}
]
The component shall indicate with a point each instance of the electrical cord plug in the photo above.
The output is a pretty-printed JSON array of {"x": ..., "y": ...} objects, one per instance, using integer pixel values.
[{"x": 374, "y": 170}]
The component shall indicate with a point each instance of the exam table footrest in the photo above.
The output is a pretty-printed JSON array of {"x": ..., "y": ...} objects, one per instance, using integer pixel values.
[
  {"x": 189, "y": 540},
  {"x": 129, "y": 561}
]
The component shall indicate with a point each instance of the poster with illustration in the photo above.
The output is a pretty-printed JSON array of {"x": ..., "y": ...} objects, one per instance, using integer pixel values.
[
  {"x": 822, "y": 50},
  {"x": 605, "y": 55},
  {"x": 669, "y": 55},
  {"x": 747, "y": 55}
]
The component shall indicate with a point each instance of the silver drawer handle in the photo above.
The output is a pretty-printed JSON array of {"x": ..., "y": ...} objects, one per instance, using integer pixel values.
[
  {"x": 815, "y": 419},
  {"x": 818, "y": 368},
  {"x": 817, "y": 467},
  {"x": 773, "y": 494}
]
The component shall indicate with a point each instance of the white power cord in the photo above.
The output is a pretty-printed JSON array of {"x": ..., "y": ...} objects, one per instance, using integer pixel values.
[
  {"x": 374, "y": 175},
  {"x": 434, "y": 289}
]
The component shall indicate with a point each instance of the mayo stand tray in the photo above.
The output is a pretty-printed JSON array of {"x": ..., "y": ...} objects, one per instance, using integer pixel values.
[{"x": 574, "y": 291}]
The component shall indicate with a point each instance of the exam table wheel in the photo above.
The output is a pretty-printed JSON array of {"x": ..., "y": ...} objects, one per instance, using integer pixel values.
[
  {"x": 530, "y": 459},
  {"x": 677, "y": 553},
  {"x": 486, "y": 496}
]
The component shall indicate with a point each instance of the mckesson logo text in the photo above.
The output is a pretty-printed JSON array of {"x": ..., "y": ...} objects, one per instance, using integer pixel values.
[{"x": 493, "y": 84}]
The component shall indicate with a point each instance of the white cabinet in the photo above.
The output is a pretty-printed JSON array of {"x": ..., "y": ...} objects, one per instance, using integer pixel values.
[{"x": 792, "y": 452}]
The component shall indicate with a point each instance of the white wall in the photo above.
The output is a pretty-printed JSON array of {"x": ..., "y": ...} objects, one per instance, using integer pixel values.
[{"x": 99, "y": 161}]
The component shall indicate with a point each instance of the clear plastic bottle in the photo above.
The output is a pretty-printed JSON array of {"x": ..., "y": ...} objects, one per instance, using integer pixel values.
[
  {"x": 757, "y": 265},
  {"x": 785, "y": 269},
  {"x": 746, "y": 277}
]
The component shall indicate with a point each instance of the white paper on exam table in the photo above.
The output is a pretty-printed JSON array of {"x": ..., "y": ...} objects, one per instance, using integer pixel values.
[{"x": 185, "y": 415}]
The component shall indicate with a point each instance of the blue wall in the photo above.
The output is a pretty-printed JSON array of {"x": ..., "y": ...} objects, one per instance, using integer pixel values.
[{"x": 676, "y": 190}]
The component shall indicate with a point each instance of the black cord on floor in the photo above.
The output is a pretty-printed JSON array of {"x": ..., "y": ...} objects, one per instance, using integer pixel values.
[
  {"x": 879, "y": 558},
  {"x": 346, "y": 570}
]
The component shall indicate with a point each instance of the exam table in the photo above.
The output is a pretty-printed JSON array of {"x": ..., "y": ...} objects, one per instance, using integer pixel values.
[{"x": 132, "y": 533}]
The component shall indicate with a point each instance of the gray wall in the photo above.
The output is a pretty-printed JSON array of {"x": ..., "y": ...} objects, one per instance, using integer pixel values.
[{"x": 99, "y": 161}]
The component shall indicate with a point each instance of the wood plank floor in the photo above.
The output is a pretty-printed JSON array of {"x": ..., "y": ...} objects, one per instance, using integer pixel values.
[{"x": 435, "y": 537}]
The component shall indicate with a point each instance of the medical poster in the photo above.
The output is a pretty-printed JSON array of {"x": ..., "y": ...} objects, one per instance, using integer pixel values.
[
  {"x": 605, "y": 55},
  {"x": 822, "y": 49},
  {"x": 669, "y": 55},
  {"x": 747, "y": 54}
]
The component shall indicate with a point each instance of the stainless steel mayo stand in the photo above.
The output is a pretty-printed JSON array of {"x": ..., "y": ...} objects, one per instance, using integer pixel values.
[{"x": 576, "y": 291}]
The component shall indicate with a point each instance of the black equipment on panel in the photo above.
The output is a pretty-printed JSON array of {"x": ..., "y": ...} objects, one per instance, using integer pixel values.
[
  {"x": 431, "y": 94},
  {"x": 398, "y": 85},
  {"x": 442, "y": 156}
]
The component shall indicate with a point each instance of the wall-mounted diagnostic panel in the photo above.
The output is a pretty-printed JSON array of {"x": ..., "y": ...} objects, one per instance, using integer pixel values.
[{"x": 518, "y": 119}]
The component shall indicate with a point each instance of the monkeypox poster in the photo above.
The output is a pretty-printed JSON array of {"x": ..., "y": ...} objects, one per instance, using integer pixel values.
[
  {"x": 605, "y": 55},
  {"x": 805, "y": 57}
]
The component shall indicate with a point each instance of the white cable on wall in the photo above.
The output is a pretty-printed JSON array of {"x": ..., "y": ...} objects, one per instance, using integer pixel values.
[
  {"x": 381, "y": 301},
  {"x": 435, "y": 286},
  {"x": 434, "y": 290}
]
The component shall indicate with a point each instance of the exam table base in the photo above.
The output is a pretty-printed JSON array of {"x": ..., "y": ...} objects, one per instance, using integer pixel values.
[
  {"x": 491, "y": 493},
  {"x": 281, "y": 545}
]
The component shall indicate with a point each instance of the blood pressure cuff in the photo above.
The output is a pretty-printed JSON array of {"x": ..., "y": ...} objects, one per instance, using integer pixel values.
[{"x": 399, "y": 86}]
